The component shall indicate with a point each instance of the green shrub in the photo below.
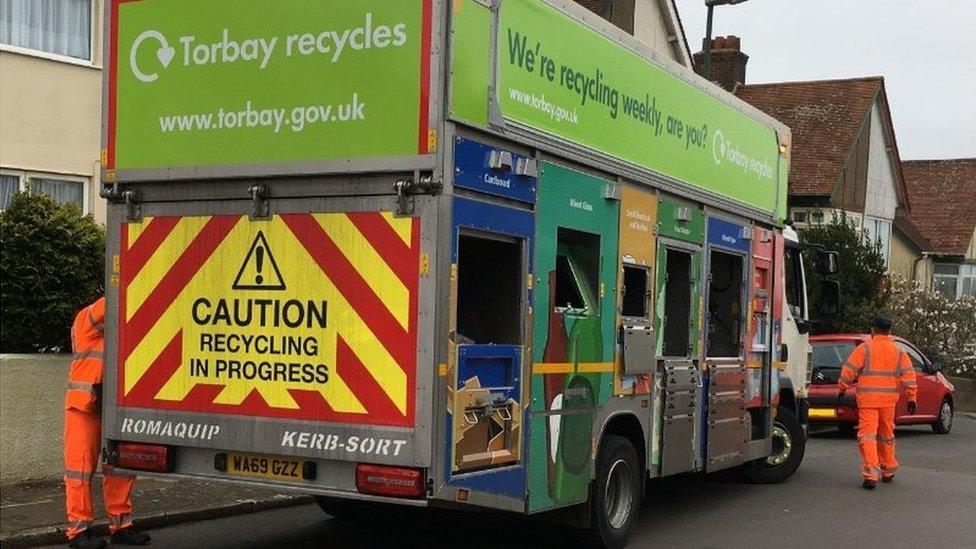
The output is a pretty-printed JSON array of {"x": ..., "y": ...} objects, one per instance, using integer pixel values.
[
  {"x": 52, "y": 263},
  {"x": 944, "y": 328},
  {"x": 863, "y": 282}
]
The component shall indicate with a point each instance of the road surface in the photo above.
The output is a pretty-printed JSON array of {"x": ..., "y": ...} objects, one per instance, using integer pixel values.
[{"x": 932, "y": 504}]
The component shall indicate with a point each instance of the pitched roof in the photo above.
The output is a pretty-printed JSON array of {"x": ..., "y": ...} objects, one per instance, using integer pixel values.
[
  {"x": 913, "y": 233},
  {"x": 825, "y": 116},
  {"x": 943, "y": 202}
]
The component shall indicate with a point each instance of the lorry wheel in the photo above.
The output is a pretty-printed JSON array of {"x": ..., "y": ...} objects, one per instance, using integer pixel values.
[
  {"x": 616, "y": 492},
  {"x": 943, "y": 425},
  {"x": 789, "y": 444}
]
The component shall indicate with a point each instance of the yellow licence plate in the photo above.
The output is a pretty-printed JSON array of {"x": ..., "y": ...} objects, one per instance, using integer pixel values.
[
  {"x": 822, "y": 413},
  {"x": 278, "y": 468}
]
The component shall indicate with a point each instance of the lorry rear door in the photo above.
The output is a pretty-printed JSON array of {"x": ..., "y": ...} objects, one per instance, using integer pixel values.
[{"x": 295, "y": 333}]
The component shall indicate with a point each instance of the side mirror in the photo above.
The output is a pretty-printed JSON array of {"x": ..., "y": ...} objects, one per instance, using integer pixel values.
[
  {"x": 935, "y": 367},
  {"x": 803, "y": 326},
  {"x": 827, "y": 263},
  {"x": 829, "y": 297}
]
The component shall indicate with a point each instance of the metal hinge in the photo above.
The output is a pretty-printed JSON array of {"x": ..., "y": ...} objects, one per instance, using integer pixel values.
[
  {"x": 259, "y": 199},
  {"x": 133, "y": 210},
  {"x": 430, "y": 487},
  {"x": 406, "y": 189}
]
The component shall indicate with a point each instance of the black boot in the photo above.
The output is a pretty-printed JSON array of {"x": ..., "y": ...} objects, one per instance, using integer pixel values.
[
  {"x": 130, "y": 536},
  {"x": 869, "y": 484},
  {"x": 86, "y": 540},
  {"x": 886, "y": 480}
]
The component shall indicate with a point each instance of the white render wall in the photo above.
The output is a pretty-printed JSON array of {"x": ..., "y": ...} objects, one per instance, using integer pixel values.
[
  {"x": 882, "y": 195},
  {"x": 650, "y": 27}
]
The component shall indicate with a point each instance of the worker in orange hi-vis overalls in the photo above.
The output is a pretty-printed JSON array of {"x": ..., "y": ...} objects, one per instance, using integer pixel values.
[
  {"x": 82, "y": 441},
  {"x": 881, "y": 371}
]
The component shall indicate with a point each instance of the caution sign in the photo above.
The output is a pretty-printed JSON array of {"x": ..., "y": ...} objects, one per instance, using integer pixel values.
[
  {"x": 304, "y": 316},
  {"x": 259, "y": 271}
]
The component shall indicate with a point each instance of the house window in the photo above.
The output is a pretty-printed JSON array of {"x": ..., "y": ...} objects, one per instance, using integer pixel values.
[
  {"x": 9, "y": 184},
  {"x": 878, "y": 232},
  {"x": 955, "y": 280},
  {"x": 63, "y": 189},
  {"x": 59, "y": 27}
]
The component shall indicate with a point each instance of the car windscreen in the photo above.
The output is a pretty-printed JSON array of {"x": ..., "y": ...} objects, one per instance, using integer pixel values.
[
  {"x": 828, "y": 358},
  {"x": 831, "y": 354}
]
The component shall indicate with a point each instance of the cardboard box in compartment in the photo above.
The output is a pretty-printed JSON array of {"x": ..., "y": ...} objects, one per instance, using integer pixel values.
[{"x": 483, "y": 440}]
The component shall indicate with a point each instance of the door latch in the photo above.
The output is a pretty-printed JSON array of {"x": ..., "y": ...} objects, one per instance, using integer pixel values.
[{"x": 406, "y": 189}]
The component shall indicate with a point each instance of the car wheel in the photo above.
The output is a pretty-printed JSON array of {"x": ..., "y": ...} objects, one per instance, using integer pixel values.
[
  {"x": 789, "y": 445},
  {"x": 616, "y": 494},
  {"x": 943, "y": 425},
  {"x": 848, "y": 430}
]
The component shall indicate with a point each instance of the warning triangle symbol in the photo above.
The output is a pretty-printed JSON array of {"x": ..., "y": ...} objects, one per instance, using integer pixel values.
[{"x": 259, "y": 271}]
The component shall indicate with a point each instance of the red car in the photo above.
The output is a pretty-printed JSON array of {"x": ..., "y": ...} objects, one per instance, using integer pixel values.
[{"x": 935, "y": 393}]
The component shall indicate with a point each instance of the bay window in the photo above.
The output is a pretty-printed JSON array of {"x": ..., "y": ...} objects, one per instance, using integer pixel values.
[
  {"x": 63, "y": 189},
  {"x": 58, "y": 27}
]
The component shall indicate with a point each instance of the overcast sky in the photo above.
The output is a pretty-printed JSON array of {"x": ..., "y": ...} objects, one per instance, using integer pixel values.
[{"x": 925, "y": 49}]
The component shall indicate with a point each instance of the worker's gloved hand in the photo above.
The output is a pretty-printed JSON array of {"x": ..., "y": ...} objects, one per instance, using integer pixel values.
[{"x": 912, "y": 406}]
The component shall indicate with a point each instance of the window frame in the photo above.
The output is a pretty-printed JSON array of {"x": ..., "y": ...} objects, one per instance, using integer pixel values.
[
  {"x": 877, "y": 223},
  {"x": 24, "y": 176},
  {"x": 963, "y": 272},
  {"x": 93, "y": 61}
]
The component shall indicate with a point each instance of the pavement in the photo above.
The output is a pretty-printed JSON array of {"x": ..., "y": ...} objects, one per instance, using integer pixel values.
[
  {"x": 33, "y": 514},
  {"x": 931, "y": 504}
]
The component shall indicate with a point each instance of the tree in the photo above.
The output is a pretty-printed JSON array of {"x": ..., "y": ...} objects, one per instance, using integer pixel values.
[
  {"x": 52, "y": 263},
  {"x": 863, "y": 282},
  {"x": 943, "y": 327}
]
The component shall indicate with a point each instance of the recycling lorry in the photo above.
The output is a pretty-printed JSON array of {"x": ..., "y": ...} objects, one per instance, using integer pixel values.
[{"x": 468, "y": 253}]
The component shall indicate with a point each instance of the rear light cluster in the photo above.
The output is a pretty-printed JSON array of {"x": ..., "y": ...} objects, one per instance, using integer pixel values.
[
  {"x": 381, "y": 480},
  {"x": 144, "y": 457}
]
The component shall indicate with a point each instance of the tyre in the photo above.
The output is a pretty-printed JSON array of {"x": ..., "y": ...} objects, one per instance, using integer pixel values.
[
  {"x": 616, "y": 492},
  {"x": 848, "y": 430},
  {"x": 789, "y": 444},
  {"x": 943, "y": 425}
]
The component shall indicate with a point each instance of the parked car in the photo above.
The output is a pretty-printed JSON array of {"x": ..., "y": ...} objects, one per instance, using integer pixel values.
[{"x": 935, "y": 393}]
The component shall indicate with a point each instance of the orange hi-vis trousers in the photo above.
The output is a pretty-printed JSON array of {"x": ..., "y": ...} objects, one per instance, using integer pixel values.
[
  {"x": 81, "y": 450},
  {"x": 876, "y": 440}
]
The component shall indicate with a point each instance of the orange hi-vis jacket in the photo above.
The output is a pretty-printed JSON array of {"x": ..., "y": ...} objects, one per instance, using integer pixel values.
[
  {"x": 881, "y": 371},
  {"x": 88, "y": 343}
]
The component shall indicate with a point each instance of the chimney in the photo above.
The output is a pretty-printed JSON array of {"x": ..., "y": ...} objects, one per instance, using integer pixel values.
[{"x": 728, "y": 63}]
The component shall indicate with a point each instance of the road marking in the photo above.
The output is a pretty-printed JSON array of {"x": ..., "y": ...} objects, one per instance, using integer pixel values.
[{"x": 9, "y": 505}]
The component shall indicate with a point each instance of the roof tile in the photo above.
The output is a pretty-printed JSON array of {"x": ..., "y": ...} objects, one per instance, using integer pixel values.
[
  {"x": 825, "y": 117},
  {"x": 942, "y": 194}
]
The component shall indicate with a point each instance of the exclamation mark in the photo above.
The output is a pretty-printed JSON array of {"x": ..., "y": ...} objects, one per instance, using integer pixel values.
[{"x": 260, "y": 259}]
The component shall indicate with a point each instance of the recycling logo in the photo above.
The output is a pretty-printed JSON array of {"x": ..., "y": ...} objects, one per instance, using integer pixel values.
[{"x": 164, "y": 54}]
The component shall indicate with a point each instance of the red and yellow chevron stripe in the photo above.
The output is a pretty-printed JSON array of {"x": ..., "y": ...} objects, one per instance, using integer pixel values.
[{"x": 303, "y": 316}]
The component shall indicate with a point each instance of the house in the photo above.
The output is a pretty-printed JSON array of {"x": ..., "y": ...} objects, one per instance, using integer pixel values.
[
  {"x": 50, "y": 101},
  {"x": 935, "y": 242},
  {"x": 653, "y": 22},
  {"x": 844, "y": 156}
]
